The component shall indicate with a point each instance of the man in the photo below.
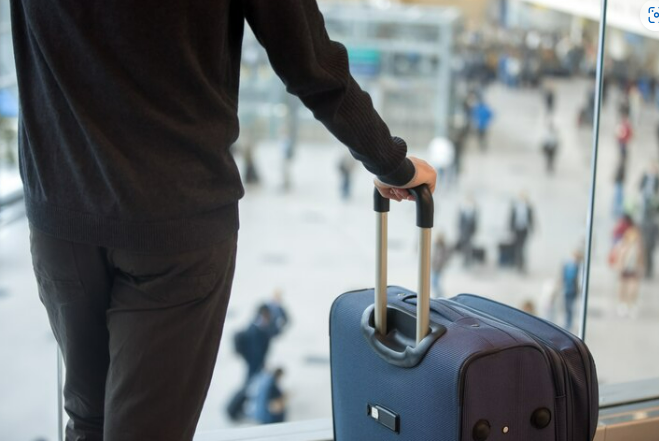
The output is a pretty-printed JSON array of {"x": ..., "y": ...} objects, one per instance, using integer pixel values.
[
  {"x": 649, "y": 188},
  {"x": 252, "y": 344},
  {"x": 257, "y": 336},
  {"x": 549, "y": 95},
  {"x": 482, "y": 116},
  {"x": 521, "y": 225},
  {"x": 624, "y": 134},
  {"x": 128, "y": 110},
  {"x": 278, "y": 314},
  {"x": 550, "y": 146},
  {"x": 467, "y": 229}
]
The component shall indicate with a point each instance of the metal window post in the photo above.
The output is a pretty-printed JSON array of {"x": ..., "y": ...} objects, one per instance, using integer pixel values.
[
  {"x": 60, "y": 396},
  {"x": 593, "y": 178}
]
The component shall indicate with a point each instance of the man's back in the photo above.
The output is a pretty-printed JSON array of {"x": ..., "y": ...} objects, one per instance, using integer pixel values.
[{"x": 128, "y": 109}]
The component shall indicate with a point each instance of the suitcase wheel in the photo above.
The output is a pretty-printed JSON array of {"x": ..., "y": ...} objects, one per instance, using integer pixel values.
[
  {"x": 541, "y": 418},
  {"x": 481, "y": 430}
]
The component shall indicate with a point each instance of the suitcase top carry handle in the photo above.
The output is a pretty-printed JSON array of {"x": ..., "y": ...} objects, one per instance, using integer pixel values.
[{"x": 424, "y": 219}]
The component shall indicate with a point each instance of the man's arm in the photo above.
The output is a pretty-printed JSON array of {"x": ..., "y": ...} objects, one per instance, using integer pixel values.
[{"x": 316, "y": 69}]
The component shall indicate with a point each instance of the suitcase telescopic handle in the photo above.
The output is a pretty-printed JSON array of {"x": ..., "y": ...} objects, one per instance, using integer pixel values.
[{"x": 424, "y": 220}]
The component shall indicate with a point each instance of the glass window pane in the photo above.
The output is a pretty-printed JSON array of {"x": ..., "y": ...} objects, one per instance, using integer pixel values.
[
  {"x": 624, "y": 306},
  {"x": 498, "y": 95},
  {"x": 502, "y": 110}
]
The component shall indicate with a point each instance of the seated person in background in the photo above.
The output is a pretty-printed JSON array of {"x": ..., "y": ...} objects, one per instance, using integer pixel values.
[{"x": 268, "y": 400}]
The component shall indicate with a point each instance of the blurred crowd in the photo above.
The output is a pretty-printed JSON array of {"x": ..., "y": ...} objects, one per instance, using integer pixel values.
[
  {"x": 514, "y": 59},
  {"x": 533, "y": 60}
]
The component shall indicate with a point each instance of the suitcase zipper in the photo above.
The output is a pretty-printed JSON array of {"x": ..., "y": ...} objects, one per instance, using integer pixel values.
[{"x": 558, "y": 382}]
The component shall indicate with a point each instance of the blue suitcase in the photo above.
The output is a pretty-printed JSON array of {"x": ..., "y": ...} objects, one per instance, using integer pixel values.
[{"x": 407, "y": 368}]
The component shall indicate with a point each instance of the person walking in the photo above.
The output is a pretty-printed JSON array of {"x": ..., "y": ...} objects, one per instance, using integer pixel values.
[
  {"x": 346, "y": 168},
  {"x": 132, "y": 194},
  {"x": 279, "y": 319},
  {"x": 549, "y": 95},
  {"x": 650, "y": 235},
  {"x": 482, "y": 117},
  {"x": 256, "y": 342},
  {"x": 624, "y": 135},
  {"x": 550, "y": 146},
  {"x": 441, "y": 254},
  {"x": 467, "y": 229},
  {"x": 571, "y": 278},
  {"x": 649, "y": 189},
  {"x": 521, "y": 224},
  {"x": 619, "y": 190},
  {"x": 458, "y": 136},
  {"x": 252, "y": 344},
  {"x": 629, "y": 261}
]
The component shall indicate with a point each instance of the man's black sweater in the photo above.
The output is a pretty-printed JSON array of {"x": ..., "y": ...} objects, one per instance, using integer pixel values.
[{"x": 128, "y": 110}]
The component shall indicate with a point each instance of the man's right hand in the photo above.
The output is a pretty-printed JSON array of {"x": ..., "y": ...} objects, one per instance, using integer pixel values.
[{"x": 424, "y": 174}]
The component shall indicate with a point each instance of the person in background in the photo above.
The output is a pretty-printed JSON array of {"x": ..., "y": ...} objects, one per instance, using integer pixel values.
[
  {"x": 549, "y": 95},
  {"x": 289, "y": 143},
  {"x": 529, "y": 307},
  {"x": 629, "y": 262},
  {"x": 586, "y": 113},
  {"x": 346, "y": 167},
  {"x": 268, "y": 399},
  {"x": 441, "y": 254},
  {"x": 258, "y": 336},
  {"x": 619, "y": 190},
  {"x": 278, "y": 314},
  {"x": 625, "y": 222},
  {"x": 550, "y": 145},
  {"x": 459, "y": 133},
  {"x": 481, "y": 116},
  {"x": 522, "y": 224},
  {"x": 251, "y": 174},
  {"x": 571, "y": 281},
  {"x": 649, "y": 188},
  {"x": 650, "y": 235},
  {"x": 624, "y": 135},
  {"x": 467, "y": 229},
  {"x": 252, "y": 344}
]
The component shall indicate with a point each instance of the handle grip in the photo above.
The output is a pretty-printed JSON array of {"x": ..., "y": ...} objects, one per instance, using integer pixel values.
[
  {"x": 425, "y": 206},
  {"x": 424, "y": 220}
]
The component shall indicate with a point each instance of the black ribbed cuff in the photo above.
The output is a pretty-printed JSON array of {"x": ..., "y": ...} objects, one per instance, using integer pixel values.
[{"x": 401, "y": 175}]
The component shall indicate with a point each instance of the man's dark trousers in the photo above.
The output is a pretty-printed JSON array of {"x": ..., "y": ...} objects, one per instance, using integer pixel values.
[{"x": 139, "y": 334}]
